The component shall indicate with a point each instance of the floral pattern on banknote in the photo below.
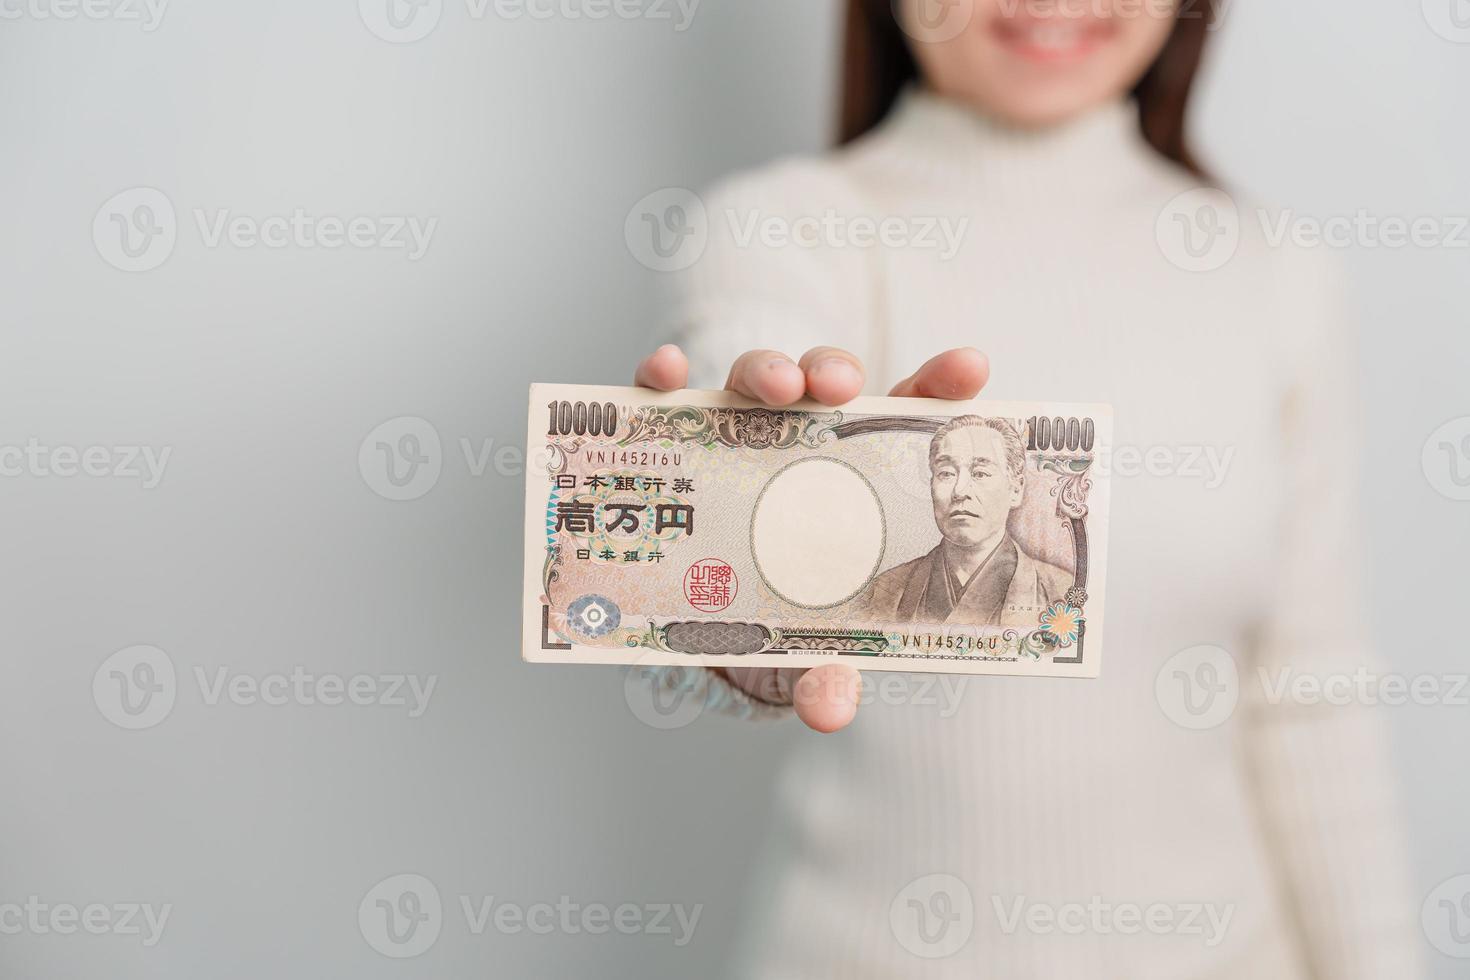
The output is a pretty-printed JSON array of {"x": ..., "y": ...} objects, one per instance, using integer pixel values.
[
  {"x": 1073, "y": 485},
  {"x": 1062, "y": 622},
  {"x": 753, "y": 428}
]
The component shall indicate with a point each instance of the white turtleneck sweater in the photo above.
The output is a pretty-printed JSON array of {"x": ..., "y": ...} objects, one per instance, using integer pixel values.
[{"x": 1263, "y": 848}]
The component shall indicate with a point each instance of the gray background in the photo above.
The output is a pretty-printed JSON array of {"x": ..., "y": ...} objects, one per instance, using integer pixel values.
[{"x": 265, "y": 549}]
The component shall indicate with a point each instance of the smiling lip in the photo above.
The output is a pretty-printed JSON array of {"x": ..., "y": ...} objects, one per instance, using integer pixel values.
[{"x": 1054, "y": 39}]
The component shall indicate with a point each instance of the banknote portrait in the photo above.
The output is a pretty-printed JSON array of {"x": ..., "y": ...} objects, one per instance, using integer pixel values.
[{"x": 978, "y": 574}]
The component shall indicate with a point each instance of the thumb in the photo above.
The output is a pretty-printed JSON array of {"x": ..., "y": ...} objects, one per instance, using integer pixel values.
[{"x": 826, "y": 697}]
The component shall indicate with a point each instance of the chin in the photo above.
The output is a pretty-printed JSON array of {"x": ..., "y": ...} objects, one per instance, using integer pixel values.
[
  {"x": 1031, "y": 103},
  {"x": 962, "y": 538},
  {"x": 1042, "y": 112}
]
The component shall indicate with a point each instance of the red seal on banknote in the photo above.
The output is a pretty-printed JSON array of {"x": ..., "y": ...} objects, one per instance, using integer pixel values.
[{"x": 710, "y": 584}]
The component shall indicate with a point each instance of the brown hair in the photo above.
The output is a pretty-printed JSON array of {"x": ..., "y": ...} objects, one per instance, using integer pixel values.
[{"x": 878, "y": 64}]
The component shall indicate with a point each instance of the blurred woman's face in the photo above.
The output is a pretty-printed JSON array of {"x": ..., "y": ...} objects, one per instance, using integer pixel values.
[{"x": 1036, "y": 62}]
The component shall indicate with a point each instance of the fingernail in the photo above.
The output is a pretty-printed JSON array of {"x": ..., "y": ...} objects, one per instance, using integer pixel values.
[
  {"x": 836, "y": 369},
  {"x": 777, "y": 364}
]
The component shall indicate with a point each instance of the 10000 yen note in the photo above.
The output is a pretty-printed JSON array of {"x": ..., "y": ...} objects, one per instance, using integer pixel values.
[{"x": 696, "y": 527}]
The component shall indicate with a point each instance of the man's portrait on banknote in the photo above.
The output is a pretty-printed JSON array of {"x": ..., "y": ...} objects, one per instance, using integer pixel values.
[{"x": 978, "y": 574}]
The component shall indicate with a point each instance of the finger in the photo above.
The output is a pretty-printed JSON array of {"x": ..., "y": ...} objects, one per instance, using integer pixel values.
[
  {"x": 666, "y": 369},
  {"x": 826, "y": 697},
  {"x": 833, "y": 376},
  {"x": 955, "y": 375},
  {"x": 767, "y": 376}
]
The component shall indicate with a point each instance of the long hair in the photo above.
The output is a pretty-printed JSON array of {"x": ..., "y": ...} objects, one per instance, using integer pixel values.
[{"x": 877, "y": 64}]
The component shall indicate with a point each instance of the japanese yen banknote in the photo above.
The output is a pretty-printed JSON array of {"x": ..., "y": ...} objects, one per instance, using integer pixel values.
[{"x": 696, "y": 527}]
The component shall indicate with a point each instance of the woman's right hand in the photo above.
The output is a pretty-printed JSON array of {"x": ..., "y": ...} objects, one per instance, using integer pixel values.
[{"x": 826, "y": 697}]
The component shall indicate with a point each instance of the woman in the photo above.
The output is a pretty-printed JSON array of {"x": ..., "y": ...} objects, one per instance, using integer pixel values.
[{"x": 1144, "y": 824}]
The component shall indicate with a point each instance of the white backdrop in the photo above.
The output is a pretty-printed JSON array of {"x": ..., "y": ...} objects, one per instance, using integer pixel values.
[{"x": 224, "y": 523}]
